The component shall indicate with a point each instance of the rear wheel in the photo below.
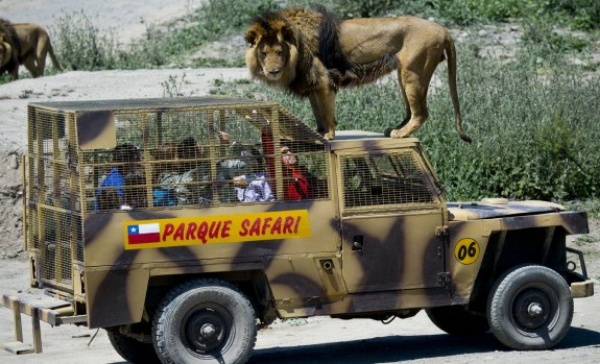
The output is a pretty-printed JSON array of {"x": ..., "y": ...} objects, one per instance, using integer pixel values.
[
  {"x": 455, "y": 320},
  {"x": 132, "y": 350},
  {"x": 530, "y": 307},
  {"x": 204, "y": 321}
]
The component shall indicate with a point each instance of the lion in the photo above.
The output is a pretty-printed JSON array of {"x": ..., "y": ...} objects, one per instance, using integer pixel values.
[
  {"x": 35, "y": 46},
  {"x": 30, "y": 45},
  {"x": 310, "y": 54}
]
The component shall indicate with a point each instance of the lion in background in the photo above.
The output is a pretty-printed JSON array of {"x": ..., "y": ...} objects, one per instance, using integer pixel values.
[
  {"x": 25, "y": 44},
  {"x": 310, "y": 54}
]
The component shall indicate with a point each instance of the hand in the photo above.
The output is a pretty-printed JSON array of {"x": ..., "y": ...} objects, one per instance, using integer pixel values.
[{"x": 240, "y": 181}]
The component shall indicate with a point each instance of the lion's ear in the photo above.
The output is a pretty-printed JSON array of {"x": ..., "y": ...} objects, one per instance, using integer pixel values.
[
  {"x": 252, "y": 36},
  {"x": 288, "y": 34}
]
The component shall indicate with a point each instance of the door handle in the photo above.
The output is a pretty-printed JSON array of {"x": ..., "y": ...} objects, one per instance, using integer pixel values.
[{"x": 357, "y": 242}]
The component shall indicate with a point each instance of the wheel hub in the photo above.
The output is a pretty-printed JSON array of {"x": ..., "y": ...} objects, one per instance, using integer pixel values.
[
  {"x": 535, "y": 309},
  {"x": 206, "y": 331},
  {"x": 532, "y": 309}
]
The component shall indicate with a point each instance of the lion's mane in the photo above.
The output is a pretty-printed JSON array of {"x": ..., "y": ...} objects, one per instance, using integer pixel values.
[
  {"x": 9, "y": 36},
  {"x": 312, "y": 35}
]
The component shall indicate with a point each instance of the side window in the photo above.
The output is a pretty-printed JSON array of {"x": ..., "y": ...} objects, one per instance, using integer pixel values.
[
  {"x": 385, "y": 179},
  {"x": 206, "y": 157}
]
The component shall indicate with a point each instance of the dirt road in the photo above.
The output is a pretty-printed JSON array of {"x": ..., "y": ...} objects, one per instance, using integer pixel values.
[
  {"x": 126, "y": 19},
  {"x": 321, "y": 340}
]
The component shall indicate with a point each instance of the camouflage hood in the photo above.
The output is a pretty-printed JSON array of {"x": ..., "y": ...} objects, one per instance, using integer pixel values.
[{"x": 498, "y": 207}]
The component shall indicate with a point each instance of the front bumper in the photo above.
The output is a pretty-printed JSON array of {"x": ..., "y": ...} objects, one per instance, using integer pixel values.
[{"x": 582, "y": 289}]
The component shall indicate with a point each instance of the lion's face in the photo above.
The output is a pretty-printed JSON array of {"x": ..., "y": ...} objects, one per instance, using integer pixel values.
[{"x": 273, "y": 57}]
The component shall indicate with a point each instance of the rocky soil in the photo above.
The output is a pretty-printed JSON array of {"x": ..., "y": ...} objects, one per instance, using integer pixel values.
[{"x": 302, "y": 341}]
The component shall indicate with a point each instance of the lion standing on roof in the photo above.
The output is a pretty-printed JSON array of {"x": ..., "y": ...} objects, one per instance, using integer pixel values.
[{"x": 310, "y": 54}]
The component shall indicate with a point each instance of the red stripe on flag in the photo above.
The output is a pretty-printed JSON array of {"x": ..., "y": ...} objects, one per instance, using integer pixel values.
[{"x": 144, "y": 238}]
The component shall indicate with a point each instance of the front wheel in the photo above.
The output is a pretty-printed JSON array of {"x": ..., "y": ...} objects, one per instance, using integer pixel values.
[
  {"x": 204, "y": 321},
  {"x": 530, "y": 307}
]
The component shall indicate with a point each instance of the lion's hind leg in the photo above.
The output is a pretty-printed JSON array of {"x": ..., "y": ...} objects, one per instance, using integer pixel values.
[
  {"x": 32, "y": 67},
  {"x": 41, "y": 53},
  {"x": 415, "y": 75},
  {"x": 36, "y": 64},
  {"x": 415, "y": 90},
  {"x": 407, "y": 116}
]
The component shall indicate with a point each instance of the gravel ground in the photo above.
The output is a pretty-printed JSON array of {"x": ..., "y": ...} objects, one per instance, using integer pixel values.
[{"x": 318, "y": 340}]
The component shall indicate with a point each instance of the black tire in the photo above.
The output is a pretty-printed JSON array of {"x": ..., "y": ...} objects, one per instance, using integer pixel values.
[
  {"x": 530, "y": 307},
  {"x": 204, "y": 321},
  {"x": 132, "y": 350},
  {"x": 455, "y": 320}
]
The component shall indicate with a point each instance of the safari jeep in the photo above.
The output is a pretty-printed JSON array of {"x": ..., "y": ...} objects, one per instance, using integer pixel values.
[{"x": 162, "y": 249}]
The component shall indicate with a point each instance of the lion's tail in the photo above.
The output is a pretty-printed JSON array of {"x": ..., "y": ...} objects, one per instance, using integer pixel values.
[
  {"x": 55, "y": 62},
  {"x": 451, "y": 56},
  {"x": 361, "y": 74}
]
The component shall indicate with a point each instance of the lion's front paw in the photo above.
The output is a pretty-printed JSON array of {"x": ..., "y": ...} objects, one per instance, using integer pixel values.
[
  {"x": 397, "y": 134},
  {"x": 329, "y": 136}
]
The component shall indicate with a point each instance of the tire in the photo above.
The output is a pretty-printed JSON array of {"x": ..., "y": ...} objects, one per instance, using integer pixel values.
[
  {"x": 132, "y": 350},
  {"x": 204, "y": 321},
  {"x": 530, "y": 307},
  {"x": 455, "y": 320}
]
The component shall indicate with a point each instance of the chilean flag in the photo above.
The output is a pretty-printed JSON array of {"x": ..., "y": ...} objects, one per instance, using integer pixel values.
[{"x": 143, "y": 233}]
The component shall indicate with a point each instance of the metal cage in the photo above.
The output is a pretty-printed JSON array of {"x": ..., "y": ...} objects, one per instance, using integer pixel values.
[{"x": 93, "y": 157}]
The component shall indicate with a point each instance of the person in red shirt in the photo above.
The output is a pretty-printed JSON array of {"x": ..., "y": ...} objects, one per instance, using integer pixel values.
[
  {"x": 297, "y": 186},
  {"x": 296, "y": 183}
]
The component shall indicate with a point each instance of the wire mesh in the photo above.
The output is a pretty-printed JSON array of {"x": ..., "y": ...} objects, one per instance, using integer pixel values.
[
  {"x": 53, "y": 216},
  {"x": 89, "y": 157},
  {"x": 380, "y": 181}
]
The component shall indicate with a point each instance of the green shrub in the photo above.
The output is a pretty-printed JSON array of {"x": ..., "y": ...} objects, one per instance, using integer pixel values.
[
  {"x": 223, "y": 15},
  {"x": 362, "y": 8},
  {"x": 82, "y": 46},
  {"x": 535, "y": 130},
  {"x": 578, "y": 14},
  {"x": 534, "y": 119}
]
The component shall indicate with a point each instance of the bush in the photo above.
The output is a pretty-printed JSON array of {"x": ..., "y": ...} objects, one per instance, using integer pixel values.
[
  {"x": 362, "y": 8},
  {"x": 533, "y": 119},
  {"x": 535, "y": 133},
  {"x": 578, "y": 14},
  {"x": 82, "y": 46}
]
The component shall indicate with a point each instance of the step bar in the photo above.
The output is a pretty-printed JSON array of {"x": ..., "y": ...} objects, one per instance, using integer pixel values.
[{"x": 48, "y": 309}]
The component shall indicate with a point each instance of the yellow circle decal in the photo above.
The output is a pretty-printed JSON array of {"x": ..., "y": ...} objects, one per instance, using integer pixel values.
[{"x": 466, "y": 251}]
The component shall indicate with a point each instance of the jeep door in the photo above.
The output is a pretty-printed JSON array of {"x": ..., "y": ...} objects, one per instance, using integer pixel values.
[{"x": 391, "y": 213}]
